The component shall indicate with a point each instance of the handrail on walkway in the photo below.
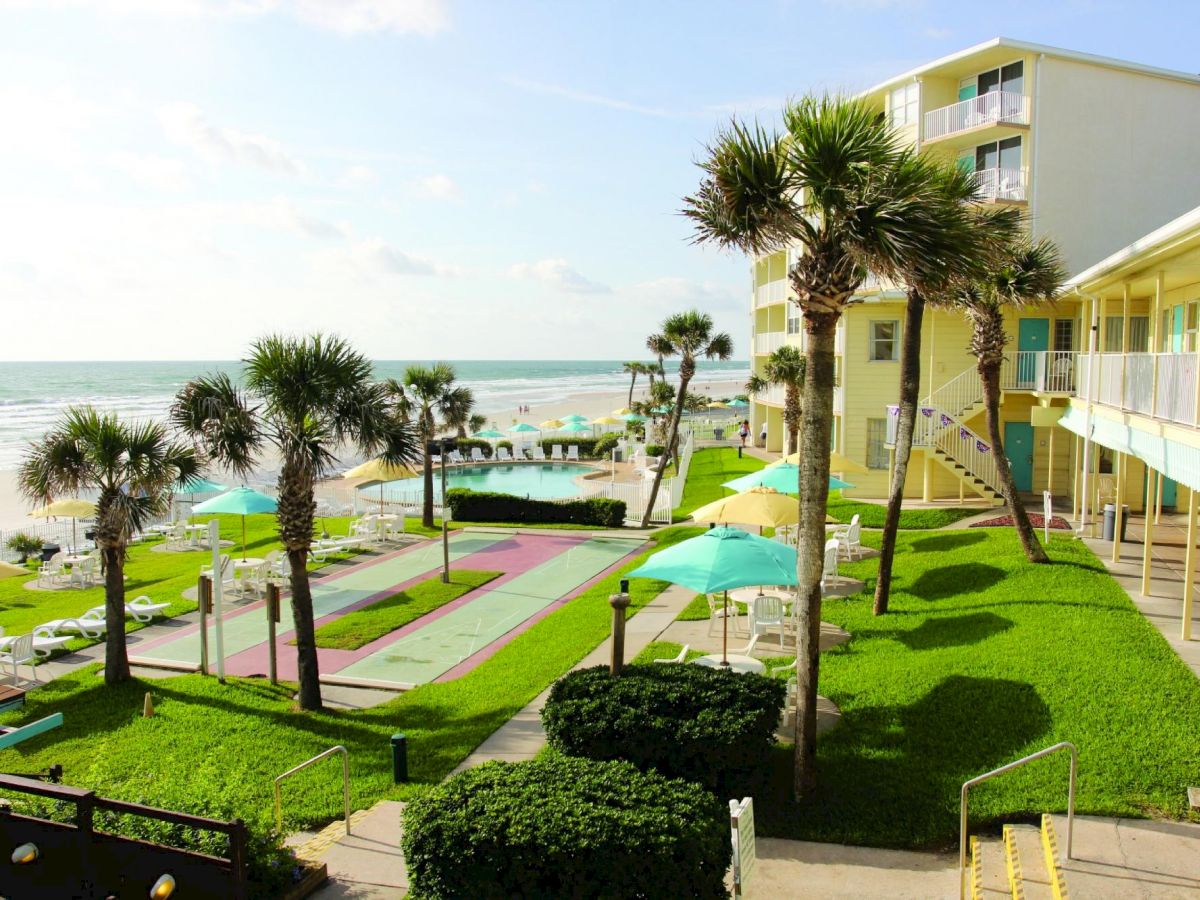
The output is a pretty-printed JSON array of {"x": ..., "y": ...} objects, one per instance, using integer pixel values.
[
  {"x": 304, "y": 765},
  {"x": 986, "y": 776}
]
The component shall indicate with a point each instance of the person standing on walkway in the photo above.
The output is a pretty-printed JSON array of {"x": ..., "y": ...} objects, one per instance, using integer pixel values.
[{"x": 744, "y": 431}]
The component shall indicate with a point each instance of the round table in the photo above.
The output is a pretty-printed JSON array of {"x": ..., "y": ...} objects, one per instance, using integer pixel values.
[
  {"x": 742, "y": 664},
  {"x": 75, "y": 559}
]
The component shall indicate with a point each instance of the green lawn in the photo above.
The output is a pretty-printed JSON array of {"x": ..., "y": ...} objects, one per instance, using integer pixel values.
[
  {"x": 214, "y": 749},
  {"x": 871, "y": 515},
  {"x": 361, "y": 626},
  {"x": 984, "y": 659}
]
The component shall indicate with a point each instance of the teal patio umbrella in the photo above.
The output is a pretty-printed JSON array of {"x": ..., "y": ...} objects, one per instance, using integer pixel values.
[
  {"x": 241, "y": 501},
  {"x": 738, "y": 403},
  {"x": 575, "y": 418},
  {"x": 720, "y": 559},
  {"x": 634, "y": 418},
  {"x": 575, "y": 427},
  {"x": 197, "y": 485},
  {"x": 522, "y": 428},
  {"x": 784, "y": 478},
  {"x": 488, "y": 434}
]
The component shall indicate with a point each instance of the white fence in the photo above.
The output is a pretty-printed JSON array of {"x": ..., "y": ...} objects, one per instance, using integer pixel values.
[
  {"x": 1002, "y": 184},
  {"x": 769, "y": 341},
  {"x": 994, "y": 107},
  {"x": 1163, "y": 385},
  {"x": 771, "y": 292}
]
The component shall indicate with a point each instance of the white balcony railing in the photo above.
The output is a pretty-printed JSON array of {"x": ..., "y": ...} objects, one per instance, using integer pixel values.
[
  {"x": 1001, "y": 184},
  {"x": 771, "y": 292},
  {"x": 769, "y": 341},
  {"x": 993, "y": 108},
  {"x": 1127, "y": 381}
]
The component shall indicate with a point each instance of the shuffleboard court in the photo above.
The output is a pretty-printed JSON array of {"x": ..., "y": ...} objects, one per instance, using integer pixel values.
[
  {"x": 248, "y": 627},
  {"x": 437, "y": 647}
]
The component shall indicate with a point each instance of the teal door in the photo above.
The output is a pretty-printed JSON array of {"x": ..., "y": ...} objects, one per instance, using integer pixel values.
[
  {"x": 1032, "y": 335},
  {"x": 1168, "y": 492},
  {"x": 1018, "y": 447},
  {"x": 1177, "y": 331}
]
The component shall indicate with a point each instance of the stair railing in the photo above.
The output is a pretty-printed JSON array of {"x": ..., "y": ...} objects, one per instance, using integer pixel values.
[
  {"x": 987, "y": 776},
  {"x": 304, "y": 765}
]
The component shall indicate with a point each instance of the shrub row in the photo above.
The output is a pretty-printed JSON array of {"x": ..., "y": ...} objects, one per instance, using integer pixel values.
[
  {"x": 562, "y": 827},
  {"x": 707, "y": 725},
  {"x": 483, "y": 506}
]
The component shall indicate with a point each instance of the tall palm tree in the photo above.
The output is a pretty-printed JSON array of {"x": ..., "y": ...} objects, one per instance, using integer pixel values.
[
  {"x": 304, "y": 398},
  {"x": 784, "y": 366},
  {"x": 458, "y": 410},
  {"x": 634, "y": 369},
  {"x": 838, "y": 187},
  {"x": 432, "y": 395},
  {"x": 686, "y": 335},
  {"x": 1026, "y": 273},
  {"x": 661, "y": 350},
  {"x": 979, "y": 235},
  {"x": 134, "y": 467},
  {"x": 475, "y": 423}
]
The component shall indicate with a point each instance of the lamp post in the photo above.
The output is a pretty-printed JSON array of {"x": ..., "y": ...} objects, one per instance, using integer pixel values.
[
  {"x": 445, "y": 532},
  {"x": 619, "y": 602}
]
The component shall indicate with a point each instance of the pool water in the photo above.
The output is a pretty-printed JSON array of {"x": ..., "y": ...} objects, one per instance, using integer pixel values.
[{"x": 549, "y": 481}]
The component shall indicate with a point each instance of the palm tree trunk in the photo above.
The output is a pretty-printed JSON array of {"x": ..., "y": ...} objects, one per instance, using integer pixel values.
[
  {"x": 791, "y": 415},
  {"x": 989, "y": 373},
  {"x": 910, "y": 387},
  {"x": 632, "y": 382},
  {"x": 816, "y": 428},
  {"x": 307, "y": 669},
  {"x": 672, "y": 437},
  {"x": 427, "y": 485},
  {"x": 116, "y": 656}
]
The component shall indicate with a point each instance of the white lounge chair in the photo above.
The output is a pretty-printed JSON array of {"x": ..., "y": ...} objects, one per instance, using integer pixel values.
[
  {"x": 556, "y": 452},
  {"x": 477, "y": 455},
  {"x": 829, "y": 570},
  {"x": 92, "y": 624},
  {"x": 502, "y": 454},
  {"x": 849, "y": 538},
  {"x": 539, "y": 455},
  {"x": 456, "y": 458},
  {"x": 682, "y": 657},
  {"x": 519, "y": 455},
  {"x": 143, "y": 609},
  {"x": 573, "y": 452}
]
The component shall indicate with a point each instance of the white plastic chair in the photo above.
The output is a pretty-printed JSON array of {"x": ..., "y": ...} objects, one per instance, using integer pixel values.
[
  {"x": 573, "y": 453},
  {"x": 518, "y": 454},
  {"x": 538, "y": 453},
  {"x": 91, "y": 624},
  {"x": 476, "y": 455},
  {"x": 503, "y": 455},
  {"x": 19, "y": 653},
  {"x": 53, "y": 570},
  {"x": 556, "y": 452},
  {"x": 83, "y": 572},
  {"x": 143, "y": 609},
  {"x": 767, "y": 614},
  {"x": 682, "y": 657},
  {"x": 456, "y": 458},
  {"x": 717, "y": 610},
  {"x": 849, "y": 538},
  {"x": 830, "y": 570}
]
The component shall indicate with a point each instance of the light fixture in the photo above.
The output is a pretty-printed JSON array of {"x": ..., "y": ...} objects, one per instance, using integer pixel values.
[
  {"x": 163, "y": 888},
  {"x": 25, "y": 854}
]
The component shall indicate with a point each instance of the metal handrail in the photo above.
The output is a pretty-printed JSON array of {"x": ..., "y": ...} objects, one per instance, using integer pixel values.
[
  {"x": 967, "y": 785},
  {"x": 304, "y": 765}
]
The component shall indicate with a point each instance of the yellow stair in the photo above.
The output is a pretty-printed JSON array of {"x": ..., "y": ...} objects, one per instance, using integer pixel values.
[
  {"x": 1053, "y": 859},
  {"x": 1024, "y": 864}
]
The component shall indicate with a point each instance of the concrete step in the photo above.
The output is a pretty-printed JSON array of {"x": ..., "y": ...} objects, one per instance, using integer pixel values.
[
  {"x": 1035, "y": 880},
  {"x": 991, "y": 883}
]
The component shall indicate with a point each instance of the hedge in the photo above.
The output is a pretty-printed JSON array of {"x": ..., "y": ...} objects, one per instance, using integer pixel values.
[
  {"x": 562, "y": 827},
  {"x": 485, "y": 506},
  {"x": 707, "y": 725}
]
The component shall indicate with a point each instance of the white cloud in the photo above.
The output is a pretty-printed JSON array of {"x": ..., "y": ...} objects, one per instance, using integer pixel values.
[
  {"x": 357, "y": 176},
  {"x": 559, "y": 274},
  {"x": 558, "y": 90},
  {"x": 438, "y": 187},
  {"x": 282, "y": 213},
  {"x": 377, "y": 257},
  {"x": 159, "y": 172},
  {"x": 347, "y": 17},
  {"x": 938, "y": 34},
  {"x": 187, "y": 126}
]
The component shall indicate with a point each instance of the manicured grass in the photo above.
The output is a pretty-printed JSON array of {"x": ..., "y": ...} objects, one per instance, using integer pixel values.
[
  {"x": 214, "y": 749},
  {"x": 361, "y": 626},
  {"x": 983, "y": 659},
  {"x": 695, "y": 611},
  {"x": 663, "y": 650},
  {"x": 710, "y": 468},
  {"x": 871, "y": 515}
]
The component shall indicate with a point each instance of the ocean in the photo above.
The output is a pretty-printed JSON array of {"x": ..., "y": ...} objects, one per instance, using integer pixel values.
[{"x": 33, "y": 395}]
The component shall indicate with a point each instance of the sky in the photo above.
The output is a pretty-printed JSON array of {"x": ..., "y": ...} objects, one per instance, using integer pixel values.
[{"x": 493, "y": 179}]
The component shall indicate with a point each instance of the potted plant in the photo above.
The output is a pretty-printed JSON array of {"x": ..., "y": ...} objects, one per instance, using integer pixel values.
[{"x": 24, "y": 544}]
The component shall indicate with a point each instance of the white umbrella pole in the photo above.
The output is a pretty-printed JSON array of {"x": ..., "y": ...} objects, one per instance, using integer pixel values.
[
  {"x": 214, "y": 541},
  {"x": 725, "y": 632}
]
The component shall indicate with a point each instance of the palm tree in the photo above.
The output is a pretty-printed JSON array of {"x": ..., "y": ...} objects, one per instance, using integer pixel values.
[
  {"x": 661, "y": 350},
  {"x": 134, "y": 467},
  {"x": 686, "y": 335},
  {"x": 784, "y": 366},
  {"x": 838, "y": 188},
  {"x": 634, "y": 369},
  {"x": 431, "y": 394},
  {"x": 1026, "y": 273},
  {"x": 475, "y": 423},
  {"x": 305, "y": 398},
  {"x": 979, "y": 235},
  {"x": 458, "y": 410}
]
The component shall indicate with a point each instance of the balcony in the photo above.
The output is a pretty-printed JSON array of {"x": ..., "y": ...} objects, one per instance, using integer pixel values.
[
  {"x": 1002, "y": 185},
  {"x": 769, "y": 341},
  {"x": 993, "y": 108},
  {"x": 1160, "y": 385},
  {"x": 771, "y": 292},
  {"x": 775, "y": 396}
]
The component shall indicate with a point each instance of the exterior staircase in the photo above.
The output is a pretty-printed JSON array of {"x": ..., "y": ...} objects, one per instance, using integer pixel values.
[{"x": 1024, "y": 864}]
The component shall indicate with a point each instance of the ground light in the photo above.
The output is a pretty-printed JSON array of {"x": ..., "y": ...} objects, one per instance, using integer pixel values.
[
  {"x": 25, "y": 854},
  {"x": 163, "y": 888}
]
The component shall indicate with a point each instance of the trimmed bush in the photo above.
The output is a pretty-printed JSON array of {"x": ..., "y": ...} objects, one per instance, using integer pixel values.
[
  {"x": 655, "y": 449},
  {"x": 562, "y": 827},
  {"x": 604, "y": 446},
  {"x": 707, "y": 725},
  {"x": 484, "y": 506}
]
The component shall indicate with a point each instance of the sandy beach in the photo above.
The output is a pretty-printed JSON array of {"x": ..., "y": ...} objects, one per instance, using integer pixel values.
[{"x": 13, "y": 507}]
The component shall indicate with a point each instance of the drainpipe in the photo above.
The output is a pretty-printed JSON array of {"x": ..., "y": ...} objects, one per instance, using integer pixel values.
[
  {"x": 1033, "y": 151},
  {"x": 1093, "y": 386}
]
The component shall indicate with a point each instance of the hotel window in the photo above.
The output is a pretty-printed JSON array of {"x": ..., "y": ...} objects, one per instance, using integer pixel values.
[
  {"x": 884, "y": 344},
  {"x": 902, "y": 105},
  {"x": 1193, "y": 315},
  {"x": 1005, "y": 154},
  {"x": 877, "y": 455},
  {"x": 1064, "y": 335},
  {"x": 1113, "y": 327},
  {"x": 1139, "y": 334},
  {"x": 1010, "y": 79},
  {"x": 793, "y": 319}
]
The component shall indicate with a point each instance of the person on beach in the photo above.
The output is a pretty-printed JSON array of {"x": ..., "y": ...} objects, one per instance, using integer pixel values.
[{"x": 744, "y": 431}]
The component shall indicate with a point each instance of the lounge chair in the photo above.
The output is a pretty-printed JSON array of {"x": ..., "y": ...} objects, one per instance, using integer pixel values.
[
  {"x": 502, "y": 454},
  {"x": 682, "y": 657},
  {"x": 829, "y": 570},
  {"x": 143, "y": 609},
  {"x": 92, "y": 624},
  {"x": 519, "y": 455},
  {"x": 556, "y": 452},
  {"x": 477, "y": 455},
  {"x": 849, "y": 538},
  {"x": 573, "y": 452},
  {"x": 456, "y": 458},
  {"x": 539, "y": 455}
]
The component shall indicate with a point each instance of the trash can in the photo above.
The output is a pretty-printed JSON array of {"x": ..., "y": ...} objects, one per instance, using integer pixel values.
[
  {"x": 48, "y": 550},
  {"x": 719, "y": 434},
  {"x": 1110, "y": 521},
  {"x": 618, "y": 455}
]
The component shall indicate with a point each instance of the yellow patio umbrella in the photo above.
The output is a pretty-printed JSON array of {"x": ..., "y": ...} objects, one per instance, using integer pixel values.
[
  {"x": 67, "y": 506},
  {"x": 378, "y": 470},
  {"x": 837, "y": 463},
  {"x": 717, "y": 404},
  {"x": 623, "y": 411},
  {"x": 551, "y": 425},
  {"x": 758, "y": 506},
  {"x": 8, "y": 570},
  {"x": 608, "y": 420}
]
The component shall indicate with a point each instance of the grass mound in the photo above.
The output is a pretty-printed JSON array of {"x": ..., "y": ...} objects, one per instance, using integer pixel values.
[{"x": 361, "y": 626}]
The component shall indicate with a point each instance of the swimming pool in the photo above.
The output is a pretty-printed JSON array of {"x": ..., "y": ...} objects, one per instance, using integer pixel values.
[{"x": 548, "y": 481}]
